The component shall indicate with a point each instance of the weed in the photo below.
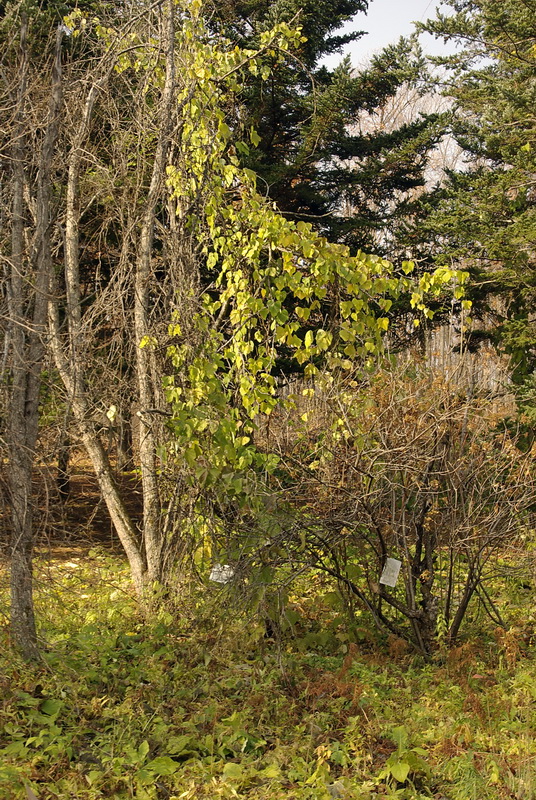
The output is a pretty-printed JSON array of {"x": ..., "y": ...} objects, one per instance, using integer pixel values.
[{"x": 197, "y": 707}]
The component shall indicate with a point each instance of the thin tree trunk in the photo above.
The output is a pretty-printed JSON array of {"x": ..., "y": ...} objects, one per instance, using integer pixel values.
[
  {"x": 21, "y": 460},
  {"x": 469, "y": 590},
  {"x": 69, "y": 364},
  {"x": 29, "y": 320},
  {"x": 152, "y": 529},
  {"x": 124, "y": 453},
  {"x": 63, "y": 481}
]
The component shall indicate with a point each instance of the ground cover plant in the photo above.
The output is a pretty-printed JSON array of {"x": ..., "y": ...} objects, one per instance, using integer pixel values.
[{"x": 204, "y": 704}]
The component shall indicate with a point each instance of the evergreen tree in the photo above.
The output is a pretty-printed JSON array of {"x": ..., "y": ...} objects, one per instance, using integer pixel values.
[
  {"x": 311, "y": 157},
  {"x": 486, "y": 214}
]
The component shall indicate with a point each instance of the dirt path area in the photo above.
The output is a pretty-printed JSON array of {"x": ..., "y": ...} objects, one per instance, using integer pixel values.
[{"x": 72, "y": 526}]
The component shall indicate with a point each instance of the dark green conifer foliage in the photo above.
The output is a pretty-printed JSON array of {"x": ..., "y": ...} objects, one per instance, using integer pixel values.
[
  {"x": 311, "y": 159},
  {"x": 486, "y": 214}
]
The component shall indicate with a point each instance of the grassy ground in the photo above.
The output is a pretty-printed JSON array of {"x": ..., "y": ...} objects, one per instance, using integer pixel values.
[{"x": 200, "y": 704}]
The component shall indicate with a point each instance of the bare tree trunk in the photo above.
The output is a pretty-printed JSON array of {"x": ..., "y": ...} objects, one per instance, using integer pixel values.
[
  {"x": 21, "y": 460},
  {"x": 69, "y": 364},
  {"x": 29, "y": 284},
  {"x": 124, "y": 455},
  {"x": 63, "y": 481},
  {"x": 152, "y": 528}
]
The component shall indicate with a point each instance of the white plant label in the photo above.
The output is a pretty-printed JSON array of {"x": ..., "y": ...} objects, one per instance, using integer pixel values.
[
  {"x": 221, "y": 573},
  {"x": 390, "y": 572}
]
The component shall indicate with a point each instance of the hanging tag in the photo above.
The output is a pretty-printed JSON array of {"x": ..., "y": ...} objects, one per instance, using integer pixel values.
[
  {"x": 221, "y": 573},
  {"x": 390, "y": 572}
]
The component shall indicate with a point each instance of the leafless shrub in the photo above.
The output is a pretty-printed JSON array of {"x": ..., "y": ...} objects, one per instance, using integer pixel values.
[{"x": 410, "y": 470}]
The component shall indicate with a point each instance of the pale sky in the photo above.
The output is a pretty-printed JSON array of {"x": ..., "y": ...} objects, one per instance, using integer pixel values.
[{"x": 385, "y": 22}]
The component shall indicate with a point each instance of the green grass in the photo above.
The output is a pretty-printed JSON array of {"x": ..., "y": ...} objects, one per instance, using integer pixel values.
[{"x": 197, "y": 704}]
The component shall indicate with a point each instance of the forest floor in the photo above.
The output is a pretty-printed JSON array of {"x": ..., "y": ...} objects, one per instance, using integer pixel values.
[{"x": 198, "y": 703}]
